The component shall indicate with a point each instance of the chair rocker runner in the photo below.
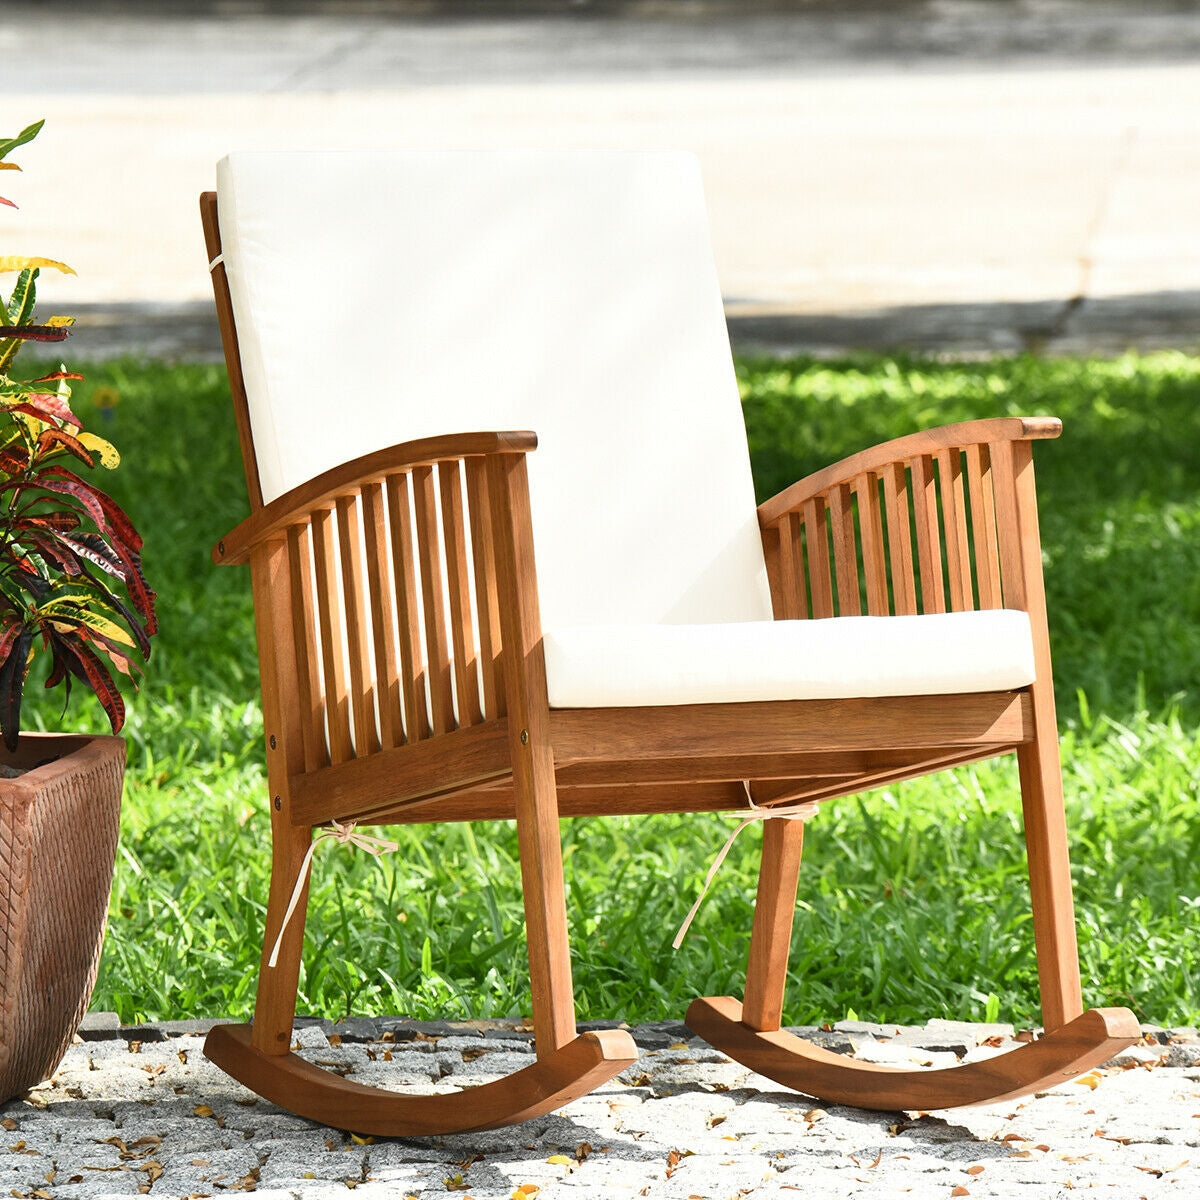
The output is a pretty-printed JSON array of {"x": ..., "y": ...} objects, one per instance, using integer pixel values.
[{"x": 670, "y": 649}]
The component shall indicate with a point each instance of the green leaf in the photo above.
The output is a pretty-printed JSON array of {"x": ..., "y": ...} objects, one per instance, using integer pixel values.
[
  {"x": 24, "y": 293},
  {"x": 8, "y": 145}
]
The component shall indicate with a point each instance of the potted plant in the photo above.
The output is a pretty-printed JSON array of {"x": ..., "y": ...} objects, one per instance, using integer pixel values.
[{"x": 72, "y": 593}]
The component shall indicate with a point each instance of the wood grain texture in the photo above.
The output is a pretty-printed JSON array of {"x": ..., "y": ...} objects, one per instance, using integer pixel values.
[
  {"x": 532, "y": 756},
  {"x": 310, "y": 695},
  {"x": 462, "y": 628},
  {"x": 483, "y": 553},
  {"x": 899, "y": 536},
  {"x": 233, "y": 357},
  {"x": 771, "y": 934},
  {"x": 275, "y": 1002},
  {"x": 816, "y": 554},
  {"x": 929, "y": 538},
  {"x": 1086, "y": 1042},
  {"x": 404, "y": 575},
  {"x": 383, "y": 616},
  {"x": 323, "y": 490},
  {"x": 354, "y": 597},
  {"x": 783, "y": 726},
  {"x": 983, "y": 526},
  {"x": 360, "y": 786},
  {"x": 433, "y": 600},
  {"x": 845, "y": 550},
  {"x": 957, "y": 539},
  {"x": 333, "y": 646},
  {"x": 549, "y": 1082},
  {"x": 914, "y": 445},
  {"x": 870, "y": 523}
]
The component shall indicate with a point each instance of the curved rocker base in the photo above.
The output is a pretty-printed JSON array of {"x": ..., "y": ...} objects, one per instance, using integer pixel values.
[
  {"x": 1078, "y": 1046},
  {"x": 553, "y": 1080}
]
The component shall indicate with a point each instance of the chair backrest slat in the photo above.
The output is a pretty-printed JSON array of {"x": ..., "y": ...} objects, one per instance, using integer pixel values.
[{"x": 845, "y": 550}]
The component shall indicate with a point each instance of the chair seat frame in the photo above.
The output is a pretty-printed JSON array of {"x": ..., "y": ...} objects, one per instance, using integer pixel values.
[{"x": 457, "y": 726}]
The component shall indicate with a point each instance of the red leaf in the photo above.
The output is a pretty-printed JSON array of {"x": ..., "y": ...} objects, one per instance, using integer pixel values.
[
  {"x": 35, "y": 333},
  {"x": 56, "y": 375},
  {"x": 51, "y": 439},
  {"x": 84, "y": 664},
  {"x": 8, "y": 202}
]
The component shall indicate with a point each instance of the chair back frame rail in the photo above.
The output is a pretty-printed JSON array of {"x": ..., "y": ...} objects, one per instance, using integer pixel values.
[{"x": 404, "y": 681}]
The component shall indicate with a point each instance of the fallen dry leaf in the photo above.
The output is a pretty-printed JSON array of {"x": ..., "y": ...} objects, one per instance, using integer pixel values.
[
  {"x": 182, "y": 1056},
  {"x": 814, "y": 1115},
  {"x": 960, "y": 1191},
  {"x": 335, "y": 1039},
  {"x": 559, "y": 1160},
  {"x": 202, "y": 1110},
  {"x": 975, "y": 1170},
  {"x": 8, "y": 1123},
  {"x": 583, "y": 1150},
  {"x": 1091, "y": 1079}
]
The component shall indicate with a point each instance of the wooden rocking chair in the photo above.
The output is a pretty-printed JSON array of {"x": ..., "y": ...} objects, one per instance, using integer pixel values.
[{"x": 671, "y": 650}]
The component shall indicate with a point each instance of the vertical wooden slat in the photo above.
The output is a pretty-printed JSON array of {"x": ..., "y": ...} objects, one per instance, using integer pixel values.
[
  {"x": 337, "y": 703},
  {"x": 899, "y": 535},
  {"x": 816, "y": 543},
  {"x": 954, "y": 522},
  {"x": 436, "y": 653},
  {"x": 383, "y": 620},
  {"x": 870, "y": 524},
  {"x": 929, "y": 548},
  {"x": 1008, "y": 533},
  {"x": 362, "y": 682},
  {"x": 983, "y": 526},
  {"x": 788, "y": 582},
  {"x": 412, "y": 659},
  {"x": 309, "y": 697},
  {"x": 793, "y": 531},
  {"x": 845, "y": 550},
  {"x": 483, "y": 552},
  {"x": 772, "y": 538},
  {"x": 462, "y": 629}
]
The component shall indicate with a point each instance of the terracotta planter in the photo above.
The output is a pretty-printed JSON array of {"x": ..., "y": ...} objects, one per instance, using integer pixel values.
[{"x": 58, "y": 842}]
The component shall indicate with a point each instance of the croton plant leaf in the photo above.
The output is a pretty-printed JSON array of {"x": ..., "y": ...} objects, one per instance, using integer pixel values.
[{"x": 71, "y": 578}]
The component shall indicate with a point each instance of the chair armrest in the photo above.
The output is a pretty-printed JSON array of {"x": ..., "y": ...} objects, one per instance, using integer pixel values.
[
  {"x": 943, "y": 520},
  {"x": 324, "y": 490},
  {"x": 903, "y": 450}
]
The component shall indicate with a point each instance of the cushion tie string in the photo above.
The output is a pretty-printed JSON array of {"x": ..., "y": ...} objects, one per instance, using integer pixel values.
[
  {"x": 799, "y": 811},
  {"x": 341, "y": 833},
  {"x": 214, "y": 263}
]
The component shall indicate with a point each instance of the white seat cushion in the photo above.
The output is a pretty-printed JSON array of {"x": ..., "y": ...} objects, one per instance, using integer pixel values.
[{"x": 602, "y": 666}]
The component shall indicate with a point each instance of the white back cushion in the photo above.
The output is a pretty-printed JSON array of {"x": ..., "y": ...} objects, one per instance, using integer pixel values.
[{"x": 382, "y": 297}]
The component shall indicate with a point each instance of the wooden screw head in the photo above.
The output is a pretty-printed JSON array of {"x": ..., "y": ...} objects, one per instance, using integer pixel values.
[
  {"x": 220, "y": 547},
  {"x": 278, "y": 804},
  {"x": 272, "y": 741},
  {"x": 524, "y": 737}
]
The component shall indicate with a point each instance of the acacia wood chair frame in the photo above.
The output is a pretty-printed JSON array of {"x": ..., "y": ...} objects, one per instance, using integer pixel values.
[{"x": 433, "y": 540}]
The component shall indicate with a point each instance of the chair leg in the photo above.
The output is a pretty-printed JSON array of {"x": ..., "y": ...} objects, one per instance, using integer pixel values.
[
  {"x": 275, "y": 1004},
  {"x": 771, "y": 935},
  {"x": 1050, "y": 882}
]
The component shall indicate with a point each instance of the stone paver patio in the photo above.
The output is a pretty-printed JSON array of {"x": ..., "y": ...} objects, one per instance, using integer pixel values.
[{"x": 141, "y": 1111}]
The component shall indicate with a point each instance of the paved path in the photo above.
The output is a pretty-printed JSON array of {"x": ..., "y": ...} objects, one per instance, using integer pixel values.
[
  {"x": 972, "y": 176},
  {"x": 130, "y": 1112}
]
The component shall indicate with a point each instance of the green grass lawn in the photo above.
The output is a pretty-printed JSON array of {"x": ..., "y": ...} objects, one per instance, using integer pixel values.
[{"x": 902, "y": 890}]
